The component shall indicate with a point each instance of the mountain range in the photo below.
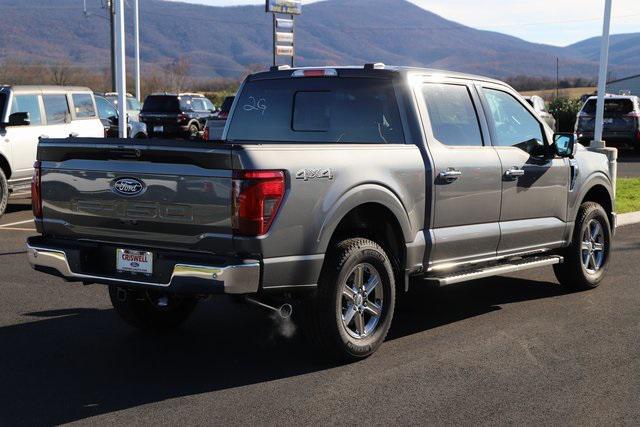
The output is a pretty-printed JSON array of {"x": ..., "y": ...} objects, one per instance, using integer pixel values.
[{"x": 224, "y": 41}]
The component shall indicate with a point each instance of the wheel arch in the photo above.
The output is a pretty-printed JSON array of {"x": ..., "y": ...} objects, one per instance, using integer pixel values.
[
  {"x": 597, "y": 190},
  {"x": 4, "y": 165}
]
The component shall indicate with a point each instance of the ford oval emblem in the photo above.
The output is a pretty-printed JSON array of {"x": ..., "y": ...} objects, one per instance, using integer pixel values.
[{"x": 128, "y": 186}]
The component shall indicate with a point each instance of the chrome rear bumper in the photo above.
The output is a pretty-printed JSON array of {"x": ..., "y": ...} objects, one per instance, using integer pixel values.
[{"x": 242, "y": 278}]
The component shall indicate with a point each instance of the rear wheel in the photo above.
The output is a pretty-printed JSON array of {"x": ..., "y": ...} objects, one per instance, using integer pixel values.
[
  {"x": 354, "y": 305},
  {"x": 587, "y": 259},
  {"x": 4, "y": 193},
  {"x": 150, "y": 310},
  {"x": 194, "y": 130}
]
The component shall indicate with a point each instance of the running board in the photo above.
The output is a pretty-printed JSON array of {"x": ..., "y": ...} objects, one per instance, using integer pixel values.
[{"x": 495, "y": 270}]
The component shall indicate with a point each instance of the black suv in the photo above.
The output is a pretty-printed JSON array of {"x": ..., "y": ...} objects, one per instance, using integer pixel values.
[
  {"x": 621, "y": 121},
  {"x": 170, "y": 115}
]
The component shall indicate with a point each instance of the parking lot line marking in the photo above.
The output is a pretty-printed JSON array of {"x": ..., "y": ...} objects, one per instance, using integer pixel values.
[
  {"x": 15, "y": 223},
  {"x": 17, "y": 229}
]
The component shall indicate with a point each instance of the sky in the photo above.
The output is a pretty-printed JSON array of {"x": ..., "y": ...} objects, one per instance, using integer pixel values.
[{"x": 556, "y": 22}]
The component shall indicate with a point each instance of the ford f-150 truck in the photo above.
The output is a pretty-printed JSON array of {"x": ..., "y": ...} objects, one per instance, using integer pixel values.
[{"x": 332, "y": 190}]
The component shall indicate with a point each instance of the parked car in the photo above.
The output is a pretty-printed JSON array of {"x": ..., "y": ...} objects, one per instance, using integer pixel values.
[
  {"x": 133, "y": 105},
  {"x": 28, "y": 113},
  {"x": 540, "y": 107},
  {"x": 223, "y": 114},
  {"x": 346, "y": 187},
  {"x": 171, "y": 115},
  {"x": 621, "y": 121},
  {"x": 109, "y": 116}
]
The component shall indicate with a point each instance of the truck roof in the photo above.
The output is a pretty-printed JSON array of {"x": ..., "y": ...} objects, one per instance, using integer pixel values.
[
  {"x": 377, "y": 69},
  {"x": 44, "y": 89}
]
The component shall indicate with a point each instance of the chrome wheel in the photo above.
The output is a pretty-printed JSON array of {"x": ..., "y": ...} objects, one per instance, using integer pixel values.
[
  {"x": 362, "y": 301},
  {"x": 593, "y": 247}
]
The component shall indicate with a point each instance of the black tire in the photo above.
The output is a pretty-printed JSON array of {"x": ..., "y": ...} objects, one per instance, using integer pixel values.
[
  {"x": 325, "y": 313},
  {"x": 140, "y": 309},
  {"x": 4, "y": 193},
  {"x": 578, "y": 272}
]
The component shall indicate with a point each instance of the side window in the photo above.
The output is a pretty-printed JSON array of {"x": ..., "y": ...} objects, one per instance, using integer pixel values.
[
  {"x": 106, "y": 110},
  {"x": 28, "y": 104},
  {"x": 208, "y": 105},
  {"x": 56, "y": 108},
  {"x": 83, "y": 105},
  {"x": 514, "y": 125},
  {"x": 186, "y": 104},
  {"x": 453, "y": 117},
  {"x": 199, "y": 105}
]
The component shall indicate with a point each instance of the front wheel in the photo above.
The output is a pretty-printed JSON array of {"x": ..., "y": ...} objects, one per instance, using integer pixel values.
[
  {"x": 353, "y": 309},
  {"x": 150, "y": 310},
  {"x": 194, "y": 131},
  {"x": 587, "y": 259}
]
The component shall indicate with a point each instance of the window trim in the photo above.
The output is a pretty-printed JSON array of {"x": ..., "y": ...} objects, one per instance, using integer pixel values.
[{"x": 489, "y": 116}]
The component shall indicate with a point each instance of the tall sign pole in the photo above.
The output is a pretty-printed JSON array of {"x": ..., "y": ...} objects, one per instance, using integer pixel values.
[
  {"x": 598, "y": 144},
  {"x": 136, "y": 20},
  {"x": 284, "y": 28},
  {"x": 121, "y": 69}
]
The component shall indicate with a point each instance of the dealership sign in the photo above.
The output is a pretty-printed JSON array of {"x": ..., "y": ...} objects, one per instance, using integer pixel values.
[{"x": 288, "y": 7}]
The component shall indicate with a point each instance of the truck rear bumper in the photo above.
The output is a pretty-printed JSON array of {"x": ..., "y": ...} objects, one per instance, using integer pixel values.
[{"x": 242, "y": 277}]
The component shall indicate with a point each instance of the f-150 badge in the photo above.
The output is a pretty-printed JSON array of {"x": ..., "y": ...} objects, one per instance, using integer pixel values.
[{"x": 307, "y": 174}]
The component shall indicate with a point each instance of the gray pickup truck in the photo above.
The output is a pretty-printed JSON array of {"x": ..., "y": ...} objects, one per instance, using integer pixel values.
[{"x": 331, "y": 191}]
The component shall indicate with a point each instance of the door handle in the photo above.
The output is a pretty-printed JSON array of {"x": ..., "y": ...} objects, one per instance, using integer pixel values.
[
  {"x": 74, "y": 135},
  {"x": 514, "y": 172},
  {"x": 450, "y": 175}
]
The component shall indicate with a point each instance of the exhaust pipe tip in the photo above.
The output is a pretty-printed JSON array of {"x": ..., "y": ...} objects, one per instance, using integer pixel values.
[{"x": 285, "y": 311}]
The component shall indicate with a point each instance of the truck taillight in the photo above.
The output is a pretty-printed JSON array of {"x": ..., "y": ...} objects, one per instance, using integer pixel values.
[
  {"x": 36, "y": 192},
  {"x": 256, "y": 198},
  {"x": 205, "y": 134}
]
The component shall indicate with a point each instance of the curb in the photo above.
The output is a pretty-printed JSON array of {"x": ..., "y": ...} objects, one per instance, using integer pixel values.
[{"x": 628, "y": 219}]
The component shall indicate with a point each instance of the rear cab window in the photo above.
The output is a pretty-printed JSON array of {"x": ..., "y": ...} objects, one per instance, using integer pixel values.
[
  {"x": 358, "y": 110},
  {"x": 161, "y": 104},
  {"x": 620, "y": 106},
  {"x": 83, "y": 105}
]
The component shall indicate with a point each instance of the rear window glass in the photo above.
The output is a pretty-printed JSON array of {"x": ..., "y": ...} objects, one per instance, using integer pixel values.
[
  {"x": 330, "y": 110},
  {"x": 161, "y": 104},
  {"x": 83, "y": 104},
  {"x": 56, "y": 108},
  {"x": 611, "y": 106}
]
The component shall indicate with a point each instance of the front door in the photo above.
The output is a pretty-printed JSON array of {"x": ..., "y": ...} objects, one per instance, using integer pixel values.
[
  {"x": 466, "y": 182},
  {"x": 534, "y": 181},
  {"x": 24, "y": 139}
]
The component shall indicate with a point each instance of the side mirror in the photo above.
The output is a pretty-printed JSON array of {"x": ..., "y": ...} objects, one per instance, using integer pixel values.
[
  {"x": 565, "y": 144},
  {"x": 19, "y": 119}
]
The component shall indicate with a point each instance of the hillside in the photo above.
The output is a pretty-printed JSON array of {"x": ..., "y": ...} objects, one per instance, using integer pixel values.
[
  {"x": 225, "y": 41},
  {"x": 624, "y": 50}
]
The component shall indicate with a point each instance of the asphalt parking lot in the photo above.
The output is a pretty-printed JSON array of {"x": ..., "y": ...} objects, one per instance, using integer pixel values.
[
  {"x": 507, "y": 350},
  {"x": 628, "y": 165}
]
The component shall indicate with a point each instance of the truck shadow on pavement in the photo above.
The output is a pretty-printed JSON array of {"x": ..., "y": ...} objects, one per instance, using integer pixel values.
[{"x": 67, "y": 365}]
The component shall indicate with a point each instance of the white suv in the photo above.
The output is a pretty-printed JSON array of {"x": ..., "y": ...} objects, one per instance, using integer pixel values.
[{"x": 28, "y": 113}]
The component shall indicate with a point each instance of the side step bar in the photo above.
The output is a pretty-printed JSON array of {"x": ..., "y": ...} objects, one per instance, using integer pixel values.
[{"x": 495, "y": 270}]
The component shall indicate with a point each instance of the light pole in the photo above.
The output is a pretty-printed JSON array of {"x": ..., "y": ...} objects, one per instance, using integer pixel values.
[
  {"x": 136, "y": 20},
  {"x": 121, "y": 69},
  {"x": 598, "y": 144}
]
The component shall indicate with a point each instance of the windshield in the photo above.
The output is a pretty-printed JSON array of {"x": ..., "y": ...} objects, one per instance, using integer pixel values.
[
  {"x": 161, "y": 104},
  {"x": 329, "y": 110},
  {"x": 611, "y": 106}
]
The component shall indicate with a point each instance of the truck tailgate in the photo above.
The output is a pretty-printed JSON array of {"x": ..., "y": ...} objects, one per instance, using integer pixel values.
[{"x": 159, "y": 193}]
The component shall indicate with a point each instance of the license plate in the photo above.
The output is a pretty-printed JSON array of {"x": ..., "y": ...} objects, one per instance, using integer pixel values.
[
  {"x": 131, "y": 261},
  {"x": 158, "y": 129}
]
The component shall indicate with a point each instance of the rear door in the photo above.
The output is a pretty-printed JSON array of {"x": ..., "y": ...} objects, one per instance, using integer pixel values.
[
  {"x": 534, "y": 183},
  {"x": 84, "y": 120},
  {"x": 467, "y": 187}
]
